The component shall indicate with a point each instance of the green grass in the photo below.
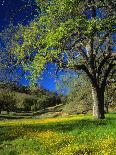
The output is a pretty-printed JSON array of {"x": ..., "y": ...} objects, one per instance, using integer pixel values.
[{"x": 73, "y": 135}]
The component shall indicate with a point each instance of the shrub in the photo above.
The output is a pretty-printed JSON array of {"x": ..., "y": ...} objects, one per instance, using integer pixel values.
[
  {"x": 30, "y": 103},
  {"x": 7, "y": 101}
]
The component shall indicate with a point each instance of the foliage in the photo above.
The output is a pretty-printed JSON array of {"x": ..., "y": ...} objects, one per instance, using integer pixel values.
[
  {"x": 8, "y": 61},
  {"x": 7, "y": 101},
  {"x": 110, "y": 94},
  {"x": 79, "y": 99},
  {"x": 26, "y": 99},
  {"x": 73, "y": 34},
  {"x": 29, "y": 102},
  {"x": 34, "y": 103},
  {"x": 59, "y": 136},
  {"x": 49, "y": 100},
  {"x": 60, "y": 31}
]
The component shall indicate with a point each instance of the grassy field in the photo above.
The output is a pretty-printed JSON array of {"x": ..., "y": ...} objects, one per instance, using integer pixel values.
[{"x": 72, "y": 135}]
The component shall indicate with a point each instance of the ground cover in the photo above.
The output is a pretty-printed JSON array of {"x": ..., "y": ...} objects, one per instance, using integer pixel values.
[{"x": 71, "y": 135}]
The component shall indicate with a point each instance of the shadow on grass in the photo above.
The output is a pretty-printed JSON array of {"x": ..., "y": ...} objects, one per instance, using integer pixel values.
[
  {"x": 8, "y": 117},
  {"x": 64, "y": 127},
  {"x": 4, "y": 136}
]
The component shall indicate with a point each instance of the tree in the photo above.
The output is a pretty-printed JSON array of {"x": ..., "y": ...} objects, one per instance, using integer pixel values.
[
  {"x": 30, "y": 102},
  {"x": 7, "y": 101},
  {"x": 8, "y": 61},
  {"x": 78, "y": 99},
  {"x": 74, "y": 34},
  {"x": 110, "y": 93}
]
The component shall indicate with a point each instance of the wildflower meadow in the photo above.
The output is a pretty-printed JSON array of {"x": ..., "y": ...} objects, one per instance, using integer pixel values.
[{"x": 71, "y": 135}]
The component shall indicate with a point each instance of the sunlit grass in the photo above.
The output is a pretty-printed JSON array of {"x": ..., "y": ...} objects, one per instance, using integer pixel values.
[
  {"x": 73, "y": 135},
  {"x": 42, "y": 121}
]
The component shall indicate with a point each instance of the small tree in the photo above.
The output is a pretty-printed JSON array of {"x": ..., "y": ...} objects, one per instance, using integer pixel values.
[
  {"x": 30, "y": 102},
  {"x": 110, "y": 93},
  {"x": 78, "y": 99},
  {"x": 7, "y": 101}
]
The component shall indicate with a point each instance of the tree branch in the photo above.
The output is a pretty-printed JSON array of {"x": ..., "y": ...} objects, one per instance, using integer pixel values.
[
  {"x": 106, "y": 74},
  {"x": 102, "y": 63},
  {"x": 82, "y": 52},
  {"x": 85, "y": 69}
]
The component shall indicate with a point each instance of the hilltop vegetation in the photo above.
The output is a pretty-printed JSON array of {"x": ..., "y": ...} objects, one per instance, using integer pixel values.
[
  {"x": 23, "y": 99},
  {"x": 15, "y": 98}
]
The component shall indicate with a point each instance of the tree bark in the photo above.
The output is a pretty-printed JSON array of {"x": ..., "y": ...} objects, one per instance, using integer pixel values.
[{"x": 98, "y": 103}]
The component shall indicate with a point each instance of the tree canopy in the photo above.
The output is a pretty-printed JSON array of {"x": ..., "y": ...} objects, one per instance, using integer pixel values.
[{"x": 63, "y": 26}]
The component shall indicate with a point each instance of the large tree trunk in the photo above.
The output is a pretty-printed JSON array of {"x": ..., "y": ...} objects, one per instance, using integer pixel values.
[{"x": 98, "y": 103}]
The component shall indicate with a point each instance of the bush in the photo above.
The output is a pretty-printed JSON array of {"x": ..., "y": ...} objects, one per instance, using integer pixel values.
[
  {"x": 79, "y": 100},
  {"x": 7, "y": 101},
  {"x": 30, "y": 103}
]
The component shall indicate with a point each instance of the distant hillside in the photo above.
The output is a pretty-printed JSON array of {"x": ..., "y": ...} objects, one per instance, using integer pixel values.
[{"x": 29, "y": 99}]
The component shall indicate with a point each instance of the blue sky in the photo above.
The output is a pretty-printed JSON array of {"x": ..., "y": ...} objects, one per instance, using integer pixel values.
[{"x": 7, "y": 9}]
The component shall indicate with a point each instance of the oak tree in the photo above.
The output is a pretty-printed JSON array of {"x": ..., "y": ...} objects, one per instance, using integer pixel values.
[{"x": 75, "y": 34}]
